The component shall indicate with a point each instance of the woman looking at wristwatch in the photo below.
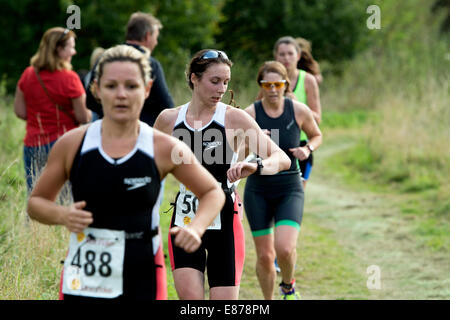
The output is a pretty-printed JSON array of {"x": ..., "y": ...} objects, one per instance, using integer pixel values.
[{"x": 278, "y": 199}]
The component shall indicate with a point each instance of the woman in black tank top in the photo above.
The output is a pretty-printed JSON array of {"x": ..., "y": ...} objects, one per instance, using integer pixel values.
[
  {"x": 278, "y": 199},
  {"x": 116, "y": 165},
  {"x": 211, "y": 129}
]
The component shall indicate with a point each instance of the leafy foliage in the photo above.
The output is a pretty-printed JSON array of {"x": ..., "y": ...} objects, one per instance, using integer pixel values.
[
  {"x": 247, "y": 30},
  {"x": 102, "y": 24},
  {"x": 252, "y": 27},
  {"x": 21, "y": 40}
]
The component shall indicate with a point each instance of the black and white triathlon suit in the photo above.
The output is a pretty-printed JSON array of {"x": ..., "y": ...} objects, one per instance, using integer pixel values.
[
  {"x": 123, "y": 195},
  {"x": 222, "y": 251},
  {"x": 278, "y": 198}
]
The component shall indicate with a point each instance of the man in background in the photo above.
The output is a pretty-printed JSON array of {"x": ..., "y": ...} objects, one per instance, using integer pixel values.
[{"x": 142, "y": 33}]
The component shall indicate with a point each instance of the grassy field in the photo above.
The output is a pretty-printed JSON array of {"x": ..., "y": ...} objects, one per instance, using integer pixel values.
[
  {"x": 348, "y": 226},
  {"x": 379, "y": 193}
]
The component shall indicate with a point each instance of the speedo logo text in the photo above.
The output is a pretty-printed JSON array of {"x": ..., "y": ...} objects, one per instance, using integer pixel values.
[{"x": 135, "y": 183}]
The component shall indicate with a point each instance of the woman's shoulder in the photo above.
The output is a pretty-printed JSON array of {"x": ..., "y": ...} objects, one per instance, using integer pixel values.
[
  {"x": 68, "y": 143},
  {"x": 66, "y": 73},
  {"x": 233, "y": 111},
  {"x": 166, "y": 119},
  {"x": 29, "y": 69},
  {"x": 28, "y": 72},
  {"x": 57, "y": 74},
  {"x": 310, "y": 80},
  {"x": 75, "y": 135},
  {"x": 164, "y": 144},
  {"x": 237, "y": 118},
  {"x": 251, "y": 109},
  {"x": 163, "y": 138},
  {"x": 297, "y": 105},
  {"x": 169, "y": 114},
  {"x": 301, "y": 110},
  {"x": 26, "y": 75}
]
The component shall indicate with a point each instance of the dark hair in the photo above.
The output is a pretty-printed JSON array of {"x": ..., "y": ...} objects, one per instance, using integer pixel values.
[
  {"x": 139, "y": 24},
  {"x": 307, "y": 61},
  {"x": 286, "y": 40},
  {"x": 198, "y": 64}
]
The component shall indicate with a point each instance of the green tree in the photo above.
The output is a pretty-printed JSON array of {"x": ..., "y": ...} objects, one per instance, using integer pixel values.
[
  {"x": 188, "y": 26},
  {"x": 251, "y": 27},
  {"x": 103, "y": 24},
  {"x": 22, "y": 25}
]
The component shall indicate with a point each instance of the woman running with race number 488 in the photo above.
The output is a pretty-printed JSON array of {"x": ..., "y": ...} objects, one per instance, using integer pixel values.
[
  {"x": 278, "y": 199},
  {"x": 115, "y": 166},
  {"x": 215, "y": 131}
]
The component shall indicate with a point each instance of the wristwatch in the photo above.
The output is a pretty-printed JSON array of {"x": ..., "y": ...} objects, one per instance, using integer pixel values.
[
  {"x": 260, "y": 166},
  {"x": 310, "y": 148}
]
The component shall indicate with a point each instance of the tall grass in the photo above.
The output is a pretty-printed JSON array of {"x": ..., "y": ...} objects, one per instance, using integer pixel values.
[
  {"x": 405, "y": 82},
  {"x": 30, "y": 253}
]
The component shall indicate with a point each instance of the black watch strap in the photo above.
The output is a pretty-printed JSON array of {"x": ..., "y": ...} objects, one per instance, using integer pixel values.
[{"x": 260, "y": 166}]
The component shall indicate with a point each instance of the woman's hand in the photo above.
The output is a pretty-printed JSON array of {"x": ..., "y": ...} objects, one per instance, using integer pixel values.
[
  {"x": 77, "y": 219},
  {"x": 301, "y": 153},
  {"x": 186, "y": 238},
  {"x": 241, "y": 170}
]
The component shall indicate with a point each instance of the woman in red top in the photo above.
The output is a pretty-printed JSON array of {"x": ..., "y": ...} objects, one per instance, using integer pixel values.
[{"x": 50, "y": 98}]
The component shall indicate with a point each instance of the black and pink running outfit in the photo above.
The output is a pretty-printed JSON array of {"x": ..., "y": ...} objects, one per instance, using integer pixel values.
[{"x": 222, "y": 251}]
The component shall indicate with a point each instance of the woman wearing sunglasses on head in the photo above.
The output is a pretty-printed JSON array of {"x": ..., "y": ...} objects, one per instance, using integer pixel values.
[
  {"x": 278, "y": 199},
  {"x": 115, "y": 166},
  {"x": 215, "y": 131},
  {"x": 304, "y": 88}
]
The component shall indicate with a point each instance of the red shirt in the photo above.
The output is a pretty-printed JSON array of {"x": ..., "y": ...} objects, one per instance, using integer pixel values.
[{"x": 45, "y": 123}]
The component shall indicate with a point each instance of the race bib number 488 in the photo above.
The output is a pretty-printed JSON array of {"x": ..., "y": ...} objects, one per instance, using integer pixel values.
[{"x": 94, "y": 264}]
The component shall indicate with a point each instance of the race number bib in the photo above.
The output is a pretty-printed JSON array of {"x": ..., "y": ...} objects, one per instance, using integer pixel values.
[
  {"x": 186, "y": 206},
  {"x": 94, "y": 264}
]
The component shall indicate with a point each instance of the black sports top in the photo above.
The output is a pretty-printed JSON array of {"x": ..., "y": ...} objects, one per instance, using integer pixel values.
[
  {"x": 122, "y": 194},
  {"x": 208, "y": 143},
  {"x": 284, "y": 130}
]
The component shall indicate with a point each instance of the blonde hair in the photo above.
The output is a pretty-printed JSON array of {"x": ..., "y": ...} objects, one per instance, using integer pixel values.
[
  {"x": 47, "y": 58},
  {"x": 123, "y": 53}
]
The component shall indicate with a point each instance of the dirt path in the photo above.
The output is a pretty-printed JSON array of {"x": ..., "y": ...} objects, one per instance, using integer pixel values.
[
  {"x": 345, "y": 231},
  {"x": 372, "y": 227}
]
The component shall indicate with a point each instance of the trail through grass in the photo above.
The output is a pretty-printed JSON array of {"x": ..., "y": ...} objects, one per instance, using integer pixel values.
[{"x": 347, "y": 227}]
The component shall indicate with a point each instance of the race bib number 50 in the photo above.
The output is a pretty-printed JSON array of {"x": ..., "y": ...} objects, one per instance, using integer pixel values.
[
  {"x": 186, "y": 206},
  {"x": 94, "y": 264}
]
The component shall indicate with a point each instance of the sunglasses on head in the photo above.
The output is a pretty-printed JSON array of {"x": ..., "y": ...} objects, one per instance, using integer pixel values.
[
  {"x": 275, "y": 84},
  {"x": 214, "y": 54},
  {"x": 66, "y": 31}
]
